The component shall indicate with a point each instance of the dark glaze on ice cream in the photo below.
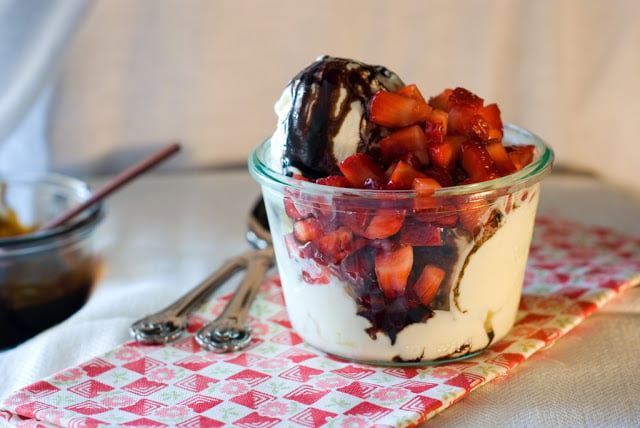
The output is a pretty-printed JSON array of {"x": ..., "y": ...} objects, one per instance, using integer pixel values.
[{"x": 323, "y": 95}]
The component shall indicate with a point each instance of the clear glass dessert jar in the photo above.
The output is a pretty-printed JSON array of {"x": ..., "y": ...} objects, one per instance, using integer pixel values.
[
  {"x": 398, "y": 277},
  {"x": 45, "y": 275}
]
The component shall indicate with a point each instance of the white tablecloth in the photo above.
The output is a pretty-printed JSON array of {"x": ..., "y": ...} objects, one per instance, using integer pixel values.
[{"x": 164, "y": 233}]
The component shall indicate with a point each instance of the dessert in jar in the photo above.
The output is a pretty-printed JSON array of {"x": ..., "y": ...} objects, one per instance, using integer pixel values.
[{"x": 401, "y": 224}]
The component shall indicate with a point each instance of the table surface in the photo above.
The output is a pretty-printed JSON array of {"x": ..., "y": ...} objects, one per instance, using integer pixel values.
[{"x": 164, "y": 233}]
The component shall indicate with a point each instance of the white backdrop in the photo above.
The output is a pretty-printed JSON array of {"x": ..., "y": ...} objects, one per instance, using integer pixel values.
[{"x": 141, "y": 73}]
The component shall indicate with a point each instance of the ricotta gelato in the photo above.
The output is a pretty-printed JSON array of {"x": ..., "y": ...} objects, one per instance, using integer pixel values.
[{"x": 401, "y": 228}]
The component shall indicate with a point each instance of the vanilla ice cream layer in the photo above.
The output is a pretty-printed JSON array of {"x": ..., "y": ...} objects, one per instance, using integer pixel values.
[{"x": 483, "y": 304}]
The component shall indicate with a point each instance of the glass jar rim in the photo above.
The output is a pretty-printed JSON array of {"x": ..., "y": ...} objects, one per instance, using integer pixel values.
[
  {"x": 514, "y": 135},
  {"x": 79, "y": 226}
]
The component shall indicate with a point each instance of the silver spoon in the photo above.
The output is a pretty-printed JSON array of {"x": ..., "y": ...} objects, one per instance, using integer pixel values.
[
  {"x": 170, "y": 323},
  {"x": 230, "y": 332}
]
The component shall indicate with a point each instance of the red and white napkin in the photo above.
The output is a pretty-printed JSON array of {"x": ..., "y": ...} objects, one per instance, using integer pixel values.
[{"x": 279, "y": 380}]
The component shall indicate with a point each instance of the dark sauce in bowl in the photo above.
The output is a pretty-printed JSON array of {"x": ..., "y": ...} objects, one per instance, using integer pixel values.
[{"x": 46, "y": 275}]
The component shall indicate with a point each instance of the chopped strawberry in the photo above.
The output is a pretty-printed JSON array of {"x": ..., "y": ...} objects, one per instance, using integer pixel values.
[
  {"x": 395, "y": 111},
  {"x": 465, "y": 114},
  {"x": 428, "y": 283},
  {"x": 521, "y": 156},
  {"x": 356, "y": 220},
  {"x": 335, "y": 245},
  {"x": 425, "y": 187},
  {"x": 441, "y": 101},
  {"x": 446, "y": 154},
  {"x": 464, "y": 121},
  {"x": 420, "y": 234},
  {"x": 315, "y": 272},
  {"x": 291, "y": 209},
  {"x": 334, "y": 180},
  {"x": 359, "y": 268},
  {"x": 472, "y": 216},
  {"x": 410, "y": 159},
  {"x": 393, "y": 269},
  {"x": 440, "y": 174},
  {"x": 307, "y": 229},
  {"x": 298, "y": 205},
  {"x": 293, "y": 247},
  {"x": 461, "y": 97},
  {"x": 384, "y": 223},
  {"x": 491, "y": 113},
  {"x": 410, "y": 139},
  {"x": 500, "y": 157},
  {"x": 321, "y": 276},
  {"x": 362, "y": 171},
  {"x": 476, "y": 162},
  {"x": 436, "y": 127},
  {"x": 411, "y": 91},
  {"x": 300, "y": 177},
  {"x": 402, "y": 176},
  {"x": 439, "y": 217}
]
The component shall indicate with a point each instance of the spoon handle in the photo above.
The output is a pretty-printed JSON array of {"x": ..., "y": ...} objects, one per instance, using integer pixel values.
[
  {"x": 229, "y": 332},
  {"x": 187, "y": 303},
  {"x": 169, "y": 323}
]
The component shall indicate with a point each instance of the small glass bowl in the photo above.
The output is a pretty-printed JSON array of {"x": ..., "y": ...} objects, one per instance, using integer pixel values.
[
  {"x": 45, "y": 276},
  {"x": 396, "y": 278}
]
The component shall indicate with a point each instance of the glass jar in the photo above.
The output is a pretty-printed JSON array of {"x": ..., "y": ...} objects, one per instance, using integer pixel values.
[
  {"x": 396, "y": 277},
  {"x": 45, "y": 275}
]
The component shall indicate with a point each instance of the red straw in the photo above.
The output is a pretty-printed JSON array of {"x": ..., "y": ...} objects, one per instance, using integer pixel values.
[{"x": 115, "y": 183}]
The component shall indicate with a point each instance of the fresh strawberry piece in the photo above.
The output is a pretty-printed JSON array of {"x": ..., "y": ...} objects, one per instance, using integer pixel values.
[
  {"x": 440, "y": 174},
  {"x": 321, "y": 276},
  {"x": 334, "y": 180},
  {"x": 335, "y": 245},
  {"x": 293, "y": 247},
  {"x": 307, "y": 229},
  {"x": 472, "y": 216},
  {"x": 419, "y": 234},
  {"x": 436, "y": 127},
  {"x": 359, "y": 268},
  {"x": 410, "y": 139},
  {"x": 393, "y": 269},
  {"x": 491, "y": 113},
  {"x": 355, "y": 220},
  {"x": 298, "y": 206},
  {"x": 446, "y": 154},
  {"x": 362, "y": 171},
  {"x": 402, "y": 176},
  {"x": 440, "y": 217},
  {"x": 500, "y": 157},
  {"x": 384, "y": 223},
  {"x": 412, "y": 160},
  {"x": 300, "y": 177},
  {"x": 441, "y": 101},
  {"x": 427, "y": 284},
  {"x": 461, "y": 97},
  {"x": 521, "y": 156},
  {"x": 291, "y": 209},
  {"x": 464, "y": 121},
  {"x": 480, "y": 127},
  {"x": 396, "y": 111},
  {"x": 314, "y": 272},
  {"x": 476, "y": 162},
  {"x": 411, "y": 91},
  {"x": 425, "y": 187}
]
